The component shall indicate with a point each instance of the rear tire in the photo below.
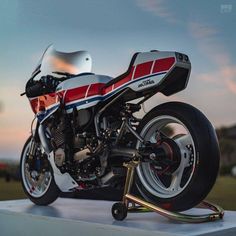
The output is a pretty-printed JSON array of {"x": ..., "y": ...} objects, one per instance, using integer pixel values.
[
  {"x": 202, "y": 173},
  {"x": 47, "y": 191}
]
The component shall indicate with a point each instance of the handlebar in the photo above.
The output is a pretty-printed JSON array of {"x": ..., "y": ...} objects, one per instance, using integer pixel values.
[
  {"x": 34, "y": 90},
  {"x": 46, "y": 84}
]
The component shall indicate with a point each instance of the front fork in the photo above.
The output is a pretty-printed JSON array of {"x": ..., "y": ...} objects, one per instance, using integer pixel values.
[
  {"x": 32, "y": 148},
  {"x": 33, "y": 143}
]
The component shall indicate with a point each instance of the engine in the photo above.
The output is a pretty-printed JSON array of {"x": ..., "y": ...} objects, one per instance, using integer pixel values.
[{"x": 75, "y": 145}]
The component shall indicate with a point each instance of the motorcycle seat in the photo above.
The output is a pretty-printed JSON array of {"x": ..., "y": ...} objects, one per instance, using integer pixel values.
[{"x": 122, "y": 76}]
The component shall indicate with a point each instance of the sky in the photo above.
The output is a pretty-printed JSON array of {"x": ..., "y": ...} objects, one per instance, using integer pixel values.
[{"x": 112, "y": 31}]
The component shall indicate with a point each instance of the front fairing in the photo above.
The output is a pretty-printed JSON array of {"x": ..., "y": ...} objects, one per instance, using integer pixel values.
[{"x": 73, "y": 63}]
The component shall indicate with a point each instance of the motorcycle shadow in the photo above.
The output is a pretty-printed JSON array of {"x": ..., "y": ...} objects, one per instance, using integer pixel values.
[{"x": 43, "y": 211}]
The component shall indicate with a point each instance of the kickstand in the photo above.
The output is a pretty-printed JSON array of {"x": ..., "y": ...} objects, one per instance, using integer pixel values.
[{"x": 120, "y": 209}]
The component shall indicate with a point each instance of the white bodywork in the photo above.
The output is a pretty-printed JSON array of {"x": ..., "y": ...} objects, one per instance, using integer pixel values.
[
  {"x": 152, "y": 56},
  {"x": 64, "y": 181},
  {"x": 82, "y": 80}
]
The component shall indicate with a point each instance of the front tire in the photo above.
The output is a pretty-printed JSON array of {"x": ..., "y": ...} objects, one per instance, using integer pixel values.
[
  {"x": 183, "y": 185},
  {"x": 37, "y": 176}
]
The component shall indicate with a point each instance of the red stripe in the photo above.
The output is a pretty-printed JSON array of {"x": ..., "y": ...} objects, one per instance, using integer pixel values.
[
  {"x": 75, "y": 94},
  {"x": 125, "y": 79},
  {"x": 163, "y": 64},
  {"x": 107, "y": 90},
  {"x": 95, "y": 89},
  {"x": 143, "y": 69}
]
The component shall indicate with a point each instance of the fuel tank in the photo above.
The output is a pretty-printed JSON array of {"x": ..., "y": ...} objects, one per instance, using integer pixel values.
[{"x": 82, "y": 91}]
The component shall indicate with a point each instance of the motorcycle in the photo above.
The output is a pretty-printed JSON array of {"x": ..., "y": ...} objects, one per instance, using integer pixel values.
[{"x": 86, "y": 128}]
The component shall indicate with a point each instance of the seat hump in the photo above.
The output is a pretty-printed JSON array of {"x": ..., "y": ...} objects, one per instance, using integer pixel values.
[{"x": 120, "y": 77}]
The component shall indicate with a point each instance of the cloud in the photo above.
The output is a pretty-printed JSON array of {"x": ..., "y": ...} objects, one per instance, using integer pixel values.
[
  {"x": 158, "y": 8},
  {"x": 229, "y": 71},
  {"x": 224, "y": 76},
  {"x": 1, "y": 106},
  {"x": 206, "y": 38},
  {"x": 200, "y": 31},
  {"x": 231, "y": 85}
]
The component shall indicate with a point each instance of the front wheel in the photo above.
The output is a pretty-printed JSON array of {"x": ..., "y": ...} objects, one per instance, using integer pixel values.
[
  {"x": 185, "y": 160},
  {"x": 36, "y": 175}
]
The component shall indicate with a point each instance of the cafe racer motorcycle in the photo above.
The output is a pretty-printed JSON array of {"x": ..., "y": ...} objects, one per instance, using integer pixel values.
[{"x": 87, "y": 127}]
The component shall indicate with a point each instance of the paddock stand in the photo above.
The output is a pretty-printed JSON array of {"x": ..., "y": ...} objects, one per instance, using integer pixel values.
[{"x": 120, "y": 209}]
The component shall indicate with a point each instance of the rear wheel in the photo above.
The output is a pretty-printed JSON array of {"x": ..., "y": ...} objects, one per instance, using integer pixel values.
[
  {"x": 36, "y": 176},
  {"x": 184, "y": 164}
]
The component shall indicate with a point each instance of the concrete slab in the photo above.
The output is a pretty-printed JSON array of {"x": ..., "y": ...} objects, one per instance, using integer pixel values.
[{"x": 93, "y": 217}]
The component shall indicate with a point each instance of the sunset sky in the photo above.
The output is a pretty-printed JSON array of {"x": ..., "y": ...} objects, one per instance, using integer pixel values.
[{"x": 112, "y": 30}]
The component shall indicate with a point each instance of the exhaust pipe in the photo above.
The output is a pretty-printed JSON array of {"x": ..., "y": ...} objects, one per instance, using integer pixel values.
[{"x": 125, "y": 152}]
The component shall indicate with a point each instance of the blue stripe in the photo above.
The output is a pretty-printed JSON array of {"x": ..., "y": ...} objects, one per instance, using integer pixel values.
[
  {"x": 133, "y": 81},
  {"x": 84, "y": 102},
  {"x": 42, "y": 116},
  {"x": 101, "y": 98}
]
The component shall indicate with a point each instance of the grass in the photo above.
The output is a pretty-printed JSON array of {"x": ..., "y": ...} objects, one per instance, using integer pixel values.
[
  {"x": 11, "y": 190},
  {"x": 223, "y": 193}
]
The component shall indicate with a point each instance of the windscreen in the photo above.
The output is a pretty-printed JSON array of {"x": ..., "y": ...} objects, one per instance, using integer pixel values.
[{"x": 55, "y": 61}]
